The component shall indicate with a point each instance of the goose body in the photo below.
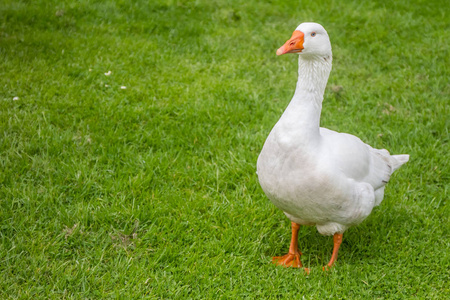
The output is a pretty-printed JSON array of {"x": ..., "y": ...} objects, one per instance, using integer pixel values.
[{"x": 317, "y": 176}]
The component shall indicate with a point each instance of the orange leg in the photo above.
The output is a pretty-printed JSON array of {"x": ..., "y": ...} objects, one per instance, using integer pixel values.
[
  {"x": 337, "y": 239},
  {"x": 292, "y": 259}
]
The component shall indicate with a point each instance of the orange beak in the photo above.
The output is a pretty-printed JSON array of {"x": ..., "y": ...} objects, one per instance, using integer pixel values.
[{"x": 294, "y": 44}]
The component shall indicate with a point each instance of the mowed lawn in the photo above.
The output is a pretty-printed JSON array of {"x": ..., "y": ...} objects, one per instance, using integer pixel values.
[{"x": 130, "y": 130}]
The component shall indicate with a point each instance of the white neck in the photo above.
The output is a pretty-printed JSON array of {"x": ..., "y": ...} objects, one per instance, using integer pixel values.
[
  {"x": 301, "y": 119},
  {"x": 313, "y": 75}
]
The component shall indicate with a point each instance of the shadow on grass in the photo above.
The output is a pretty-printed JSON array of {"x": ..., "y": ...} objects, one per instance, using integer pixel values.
[{"x": 379, "y": 238}]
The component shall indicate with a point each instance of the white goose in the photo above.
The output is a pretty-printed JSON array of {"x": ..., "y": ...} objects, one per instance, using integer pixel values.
[{"x": 315, "y": 175}]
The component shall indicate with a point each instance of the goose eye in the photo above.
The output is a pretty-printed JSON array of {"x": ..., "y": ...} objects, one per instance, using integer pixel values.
[{"x": 313, "y": 34}]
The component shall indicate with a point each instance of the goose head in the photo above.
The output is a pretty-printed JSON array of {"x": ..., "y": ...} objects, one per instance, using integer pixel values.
[{"x": 309, "y": 40}]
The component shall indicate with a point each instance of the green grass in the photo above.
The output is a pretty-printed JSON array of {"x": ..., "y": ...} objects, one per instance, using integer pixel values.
[{"x": 151, "y": 191}]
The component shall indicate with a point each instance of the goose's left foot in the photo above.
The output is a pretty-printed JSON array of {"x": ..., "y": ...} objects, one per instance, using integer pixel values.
[
  {"x": 292, "y": 259},
  {"x": 288, "y": 260}
]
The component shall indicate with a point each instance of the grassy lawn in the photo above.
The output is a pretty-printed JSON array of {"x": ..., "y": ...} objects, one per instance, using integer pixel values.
[{"x": 129, "y": 133}]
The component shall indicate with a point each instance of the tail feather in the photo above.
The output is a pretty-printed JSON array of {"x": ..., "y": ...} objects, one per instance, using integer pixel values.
[{"x": 398, "y": 160}]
